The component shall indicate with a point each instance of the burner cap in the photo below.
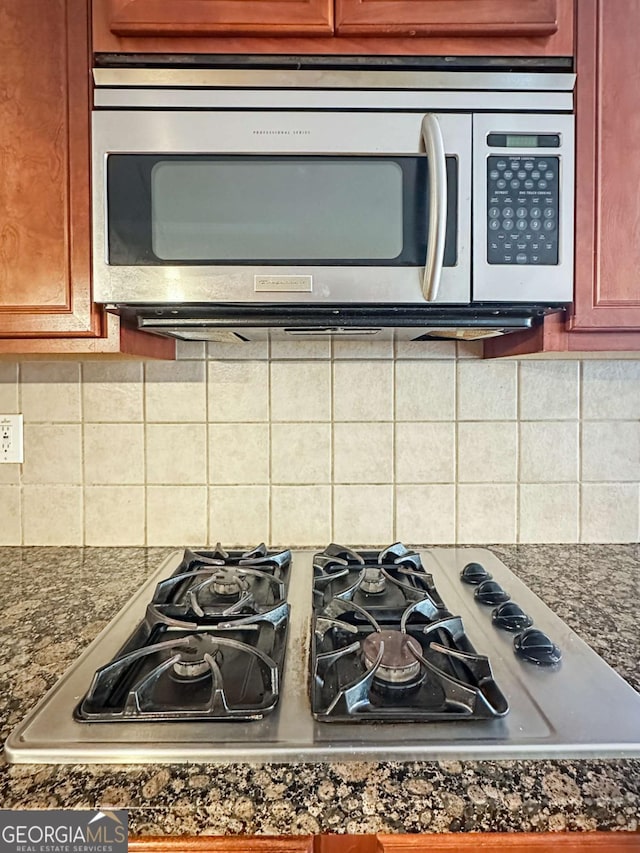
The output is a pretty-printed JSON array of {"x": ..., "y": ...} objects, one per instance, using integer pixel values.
[
  {"x": 511, "y": 617},
  {"x": 534, "y": 646},
  {"x": 373, "y": 582},
  {"x": 490, "y": 592},
  {"x": 398, "y": 665},
  {"x": 474, "y": 573},
  {"x": 229, "y": 584},
  {"x": 192, "y": 664}
]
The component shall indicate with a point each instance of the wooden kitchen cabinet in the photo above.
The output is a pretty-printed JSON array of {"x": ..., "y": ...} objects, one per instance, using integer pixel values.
[
  {"x": 421, "y": 27},
  {"x": 45, "y": 209},
  {"x": 486, "y": 842},
  {"x": 606, "y": 309}
]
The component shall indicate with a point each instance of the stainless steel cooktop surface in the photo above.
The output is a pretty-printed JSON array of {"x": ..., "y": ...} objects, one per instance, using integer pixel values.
[{"x": 577, "y": 707}]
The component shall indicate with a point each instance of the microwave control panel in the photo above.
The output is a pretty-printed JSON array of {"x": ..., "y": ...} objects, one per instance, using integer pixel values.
[{"x": 523, "y": 209}]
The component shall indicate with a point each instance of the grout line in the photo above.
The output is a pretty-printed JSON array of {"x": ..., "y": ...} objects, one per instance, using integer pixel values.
[
  {"x": 270, "y": 496},
  {"x": 580, "y": 447},
  {"x": 518, "y": 518},
  {"x": 83, "y": 514}
]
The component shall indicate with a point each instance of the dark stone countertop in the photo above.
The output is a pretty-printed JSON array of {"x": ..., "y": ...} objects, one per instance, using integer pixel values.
[{"x": 57, "y": 599}]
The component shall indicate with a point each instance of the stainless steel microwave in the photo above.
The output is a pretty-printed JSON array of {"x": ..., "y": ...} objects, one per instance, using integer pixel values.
[{"x": 332, "y": 201}]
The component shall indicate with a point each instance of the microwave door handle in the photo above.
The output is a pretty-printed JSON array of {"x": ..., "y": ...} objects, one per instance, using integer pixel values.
[{"x": 436, "y": 234}]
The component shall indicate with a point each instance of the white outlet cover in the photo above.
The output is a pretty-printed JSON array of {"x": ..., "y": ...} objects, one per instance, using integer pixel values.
[{"x": 11, "y": 439}]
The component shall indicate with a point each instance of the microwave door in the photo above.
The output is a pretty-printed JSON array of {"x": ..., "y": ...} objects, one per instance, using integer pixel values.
[{"x": 353, "y": 209}]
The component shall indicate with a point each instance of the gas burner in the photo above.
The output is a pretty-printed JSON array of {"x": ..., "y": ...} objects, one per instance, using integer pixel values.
[
  {"x": 369, "y": 663},
  {"x": 373, "y": 581},
  {"x": 215, "y": 585},
  {"x": 193, "y": 664},
  {"x": 229, "y": 585},
  {"x": 387, "y": 580},
  {"x": 398, "y": 664}
]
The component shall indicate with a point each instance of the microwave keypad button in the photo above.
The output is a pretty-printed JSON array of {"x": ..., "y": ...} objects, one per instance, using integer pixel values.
[
  {"x": 549, "y": 176},
  {"x": 520, "y": 207}
]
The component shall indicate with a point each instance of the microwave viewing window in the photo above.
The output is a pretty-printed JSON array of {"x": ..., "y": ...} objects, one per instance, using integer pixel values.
[
  {"x": 245, "y": 209},
  {"x": 272, "y": 209}
]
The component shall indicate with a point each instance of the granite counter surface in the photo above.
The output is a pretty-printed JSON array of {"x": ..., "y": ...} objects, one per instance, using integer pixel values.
[{"x": 55, "y": 601}]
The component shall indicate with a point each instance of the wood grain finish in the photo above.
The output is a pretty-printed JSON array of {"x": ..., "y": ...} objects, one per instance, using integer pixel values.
[
  {"x": 445, "y": 18},
  {"x": 45, "y": 285},
  {"x": 220, "y": 17},
  {"x": 559, "y": 43},
  {"x": 489, "y": 842},
  {"x": 608, "y": 167}
]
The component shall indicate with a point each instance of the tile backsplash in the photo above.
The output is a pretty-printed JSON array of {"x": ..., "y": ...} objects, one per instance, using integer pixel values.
[{"x": 302, "y": 443}]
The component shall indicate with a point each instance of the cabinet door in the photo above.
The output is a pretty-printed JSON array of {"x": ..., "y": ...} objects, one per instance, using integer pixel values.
[
  {"x": 607, "y": 292},
  {"x": 446, "y": 18},
  {"x": 161, "y": 18},
  {"x": 45, "y": 284}
]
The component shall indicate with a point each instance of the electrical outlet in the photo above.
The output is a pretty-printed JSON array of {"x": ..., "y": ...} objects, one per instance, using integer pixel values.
[{"x": 11, "y": 445}]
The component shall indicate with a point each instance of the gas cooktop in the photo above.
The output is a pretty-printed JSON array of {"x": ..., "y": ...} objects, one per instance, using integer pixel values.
[{"x": 340, "y": 654}]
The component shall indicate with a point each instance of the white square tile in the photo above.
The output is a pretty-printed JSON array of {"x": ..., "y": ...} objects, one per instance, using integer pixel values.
[
  {"x": 10, "y": 473},
  {"x": 363, "y": 453},
  {"x": 445, "y": 350},
  {"x": 52, "y": 515},
  {"x": 487, "y": 390},
  {"x": 611, "y": 390},
  {"x": 176, "y": 453},
  {"x": 300, "y": 348},
  {"x": 425, "y": 390},
  {"x": 175, "y": 391},
  {"x": 611, "y": 451},
  {"x": 52, "y": 453},
  {"x": 548, "y": 451},
  {"x": 238, "y": 391},
  {"x": 426, "y": 515},
  {"x": 190, "y": 350},
  {"x": 114, "y": 454},
  {"x": 548, "y": 512},
  {"x": 486, "y": 514},
  {"x": 363, "y": 515},
  {"x": 50, "y": 391},
  {"x": 363, "y": 391},
  {"x": 425, "y": 452},
  {"x": 112, "y": 391},
  {"x": 114, "y": 515},
  {"x": 300, "y": 515},
  {"x": 364, "y": 348},
  {"x": 8, "y": 388},
  {"x": 300, "y": 391},
  {"x": 609, "y": 512},
  {"x": 301, "y": 453},
  {"x": 487, "y": 452},
  {"x": 470, "y": 349},
  {"x": 238, "y": 454},
  {"x": 177, "y": 515},
  {"x": 10, "y": 516},
  {"x": 549, "y": 390},
  {"x": 239, "y": 515},
  {"x": 238, "y": 350}
]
